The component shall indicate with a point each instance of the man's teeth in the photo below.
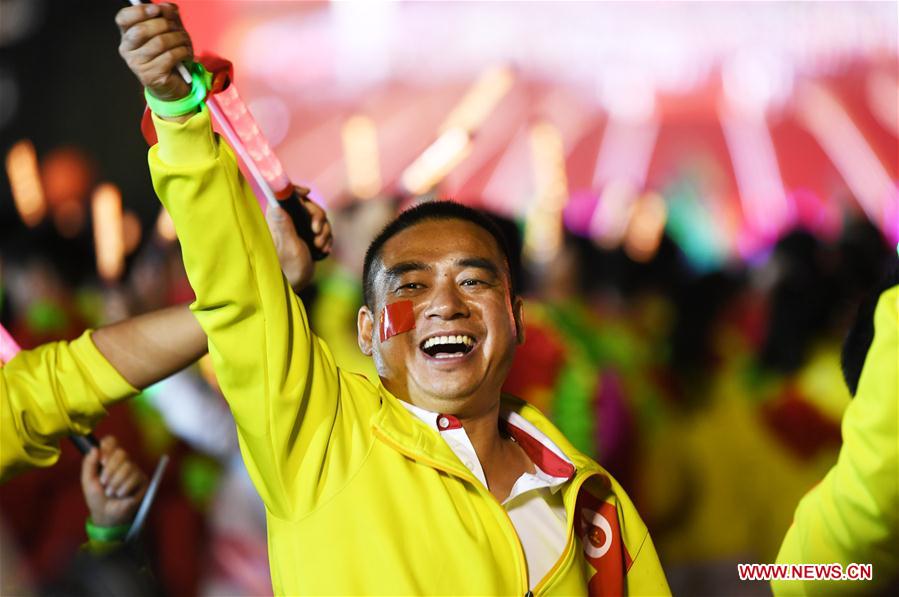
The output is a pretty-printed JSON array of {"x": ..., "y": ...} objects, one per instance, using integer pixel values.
[{"x": 437, "y": 340}]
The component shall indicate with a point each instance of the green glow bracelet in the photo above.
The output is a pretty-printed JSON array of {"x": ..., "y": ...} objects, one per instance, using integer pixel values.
[
  {"x": 169, "y": 109},
  {"x": 105, "y": 534}
]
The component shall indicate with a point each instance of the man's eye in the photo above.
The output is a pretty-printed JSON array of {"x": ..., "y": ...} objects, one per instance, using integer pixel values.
[
  {"x": 410, "y": 286},
  {"x": 473, "y": 282}
]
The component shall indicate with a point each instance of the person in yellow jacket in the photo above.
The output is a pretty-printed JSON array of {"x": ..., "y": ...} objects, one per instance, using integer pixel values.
[
  {"x": 852, "y": 515},
  {"x": 63, "y": 388},
  {"x": 428, "y": 482}
]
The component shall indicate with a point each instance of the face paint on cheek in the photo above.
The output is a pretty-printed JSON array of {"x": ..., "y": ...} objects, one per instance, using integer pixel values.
[{"x": 396, "y": 318}]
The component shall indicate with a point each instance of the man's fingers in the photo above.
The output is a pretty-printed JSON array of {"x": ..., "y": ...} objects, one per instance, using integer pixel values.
[
  {"x": 131, "y": 15},
  {"x": 165, "y": 64},
  {"x": 107, "y": 445},
  {"x": 138, "y": 35},
  {"x": 175, "y": 18},
  {"x": 118, "y": 477},
  {"x": 170, "y": 11},
  {"x": 317, "y": 214},
  {"x": 324, "y": 236},
  {"x": 321, "y": 228},
  {"x": 111, "y": 465},
  {"x": 130, "y": 484},
  {"x": 319, "y": 219},
  {"x": 125, "y": 480},
  {"x": 161, "y": 78},
  {"x": 315, "y": 210},
  {"x": 162, "y": 43},
  {"x": 89, "y": 467}
]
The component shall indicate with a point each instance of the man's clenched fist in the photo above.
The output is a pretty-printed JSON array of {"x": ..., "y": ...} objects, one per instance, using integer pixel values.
[
  {"x": 153, "y": 43},
  {"x": 112, "y": 484},
  {"x": 293, "y": 254}
]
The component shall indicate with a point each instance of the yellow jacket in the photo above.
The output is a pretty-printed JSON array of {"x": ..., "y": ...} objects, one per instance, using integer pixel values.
[
  {"x": 361, "y": 497},
  {"x": 852, "y": 516},
  {"x": 54, "y": 390}
]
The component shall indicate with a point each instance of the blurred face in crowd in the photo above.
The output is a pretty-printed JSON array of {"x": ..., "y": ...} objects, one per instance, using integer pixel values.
[{"x": 467, "y": 322}]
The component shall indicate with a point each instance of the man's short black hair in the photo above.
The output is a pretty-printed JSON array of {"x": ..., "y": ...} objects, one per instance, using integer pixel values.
[{"x": 434, "y": 210}]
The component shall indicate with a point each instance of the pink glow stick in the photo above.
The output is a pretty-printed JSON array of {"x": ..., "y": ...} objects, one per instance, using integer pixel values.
[
  {"x": 253, "y": 142},
  {"x": 236, "y": 123},
  {"x": 267, "y": 159},
  {"x": 261, "y": 165},
  {"x": 252, "y": 136}
]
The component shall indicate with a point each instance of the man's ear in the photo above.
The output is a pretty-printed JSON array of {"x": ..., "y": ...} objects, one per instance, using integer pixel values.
[
  {"x": 518, "y": 314},
  {"x": 365, "y": 326}
]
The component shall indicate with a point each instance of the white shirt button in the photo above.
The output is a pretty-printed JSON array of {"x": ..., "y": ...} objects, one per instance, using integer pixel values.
[{"x": 443, "y": 422}]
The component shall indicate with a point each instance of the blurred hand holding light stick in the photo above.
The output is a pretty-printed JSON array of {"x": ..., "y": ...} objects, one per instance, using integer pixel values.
[
  {"x": 10, "y": 348},
  {"x": 233, "y": 119}
]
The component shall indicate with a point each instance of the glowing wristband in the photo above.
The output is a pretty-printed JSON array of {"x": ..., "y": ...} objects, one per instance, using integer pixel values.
[
  {"x": 198, "y": 87},
  {"x": 105, "y": 534}
]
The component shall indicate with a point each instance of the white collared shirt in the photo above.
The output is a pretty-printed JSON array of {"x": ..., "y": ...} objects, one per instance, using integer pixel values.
[{"x": 535, "y": 503}]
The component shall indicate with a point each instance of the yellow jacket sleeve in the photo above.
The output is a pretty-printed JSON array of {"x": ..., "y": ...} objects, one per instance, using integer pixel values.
[
  {"x": 54, "y": 390},
  {"x": 852, "y": 516},
  {"x": 279, "y": 380}
]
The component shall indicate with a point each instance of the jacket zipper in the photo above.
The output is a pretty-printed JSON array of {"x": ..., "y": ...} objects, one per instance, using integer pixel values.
[
  {"x": 569, "y": 542},
  {"x": 522, "y": 563}
]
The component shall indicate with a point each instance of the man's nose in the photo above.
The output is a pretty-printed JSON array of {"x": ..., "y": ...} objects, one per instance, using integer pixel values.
[{"x": 447, "y": 302}]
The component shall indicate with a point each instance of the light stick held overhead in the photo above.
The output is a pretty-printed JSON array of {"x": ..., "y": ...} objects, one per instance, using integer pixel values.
[{"x": 233, "y": 119}]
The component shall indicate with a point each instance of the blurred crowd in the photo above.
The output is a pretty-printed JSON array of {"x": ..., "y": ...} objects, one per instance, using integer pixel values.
[{"x": 713, "y": 396}]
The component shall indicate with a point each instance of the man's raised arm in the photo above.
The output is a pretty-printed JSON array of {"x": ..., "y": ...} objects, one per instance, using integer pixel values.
[
  {"x": 273, "y": 372},
  {"x": 150, "y": 347}
]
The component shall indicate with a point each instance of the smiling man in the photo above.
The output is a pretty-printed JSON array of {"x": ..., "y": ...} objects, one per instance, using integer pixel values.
[
  {"x": 429, "y": 482},
  {"x": 443, "y": 271}
]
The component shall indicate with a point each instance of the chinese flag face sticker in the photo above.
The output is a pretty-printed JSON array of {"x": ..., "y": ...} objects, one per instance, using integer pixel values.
[{"x": 396, "y": 318}]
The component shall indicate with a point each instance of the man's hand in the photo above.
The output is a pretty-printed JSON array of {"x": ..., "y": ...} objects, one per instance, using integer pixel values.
[
  {"x": 296, "y": 260},
  {"x": 153, "y": 43},
  {"x": 114, "y": 492}
]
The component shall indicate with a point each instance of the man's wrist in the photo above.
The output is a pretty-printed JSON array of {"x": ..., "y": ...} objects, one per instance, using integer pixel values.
[
  {"x": 105, "y": 533},
  {"x": 182, "y": 108},
  {"x": 179, "y": 119}
]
